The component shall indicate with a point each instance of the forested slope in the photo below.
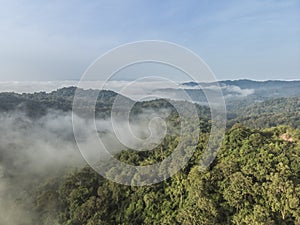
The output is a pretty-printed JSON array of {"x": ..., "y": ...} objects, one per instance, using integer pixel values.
[
  {"x": 254, "y": 180},
  {"x": 269, "y": 113}
]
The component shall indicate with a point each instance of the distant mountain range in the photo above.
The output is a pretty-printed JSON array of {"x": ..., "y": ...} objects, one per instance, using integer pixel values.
[
  {"x": 247, "y": 101},
  {"x": 256, "y": 90},
  {"x": 237, "y": 94},
  {"x": 235, "y": 91}
]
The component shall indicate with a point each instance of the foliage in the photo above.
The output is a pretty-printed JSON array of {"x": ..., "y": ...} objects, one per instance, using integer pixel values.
[{"x": 254, "y": 180}]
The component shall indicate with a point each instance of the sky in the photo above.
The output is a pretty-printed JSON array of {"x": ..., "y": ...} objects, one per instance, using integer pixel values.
[{"x": 58, "y": 40}]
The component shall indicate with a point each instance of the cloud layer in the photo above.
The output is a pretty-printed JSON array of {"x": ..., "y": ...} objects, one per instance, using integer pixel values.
[{"x": 35, "y": 149}]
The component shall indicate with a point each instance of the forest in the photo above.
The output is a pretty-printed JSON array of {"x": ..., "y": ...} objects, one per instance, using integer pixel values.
[{"x": 255, "y": 178}]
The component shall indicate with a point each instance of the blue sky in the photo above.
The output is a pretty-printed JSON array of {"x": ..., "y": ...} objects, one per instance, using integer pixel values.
[{"x": 57, "y": 40}]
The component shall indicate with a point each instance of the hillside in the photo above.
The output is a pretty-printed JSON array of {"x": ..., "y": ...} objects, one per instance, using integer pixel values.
[
  {"x": 255, "y": 178},
  {"x": 243, "y": 91},
  {"x": 269, "y": 113}
]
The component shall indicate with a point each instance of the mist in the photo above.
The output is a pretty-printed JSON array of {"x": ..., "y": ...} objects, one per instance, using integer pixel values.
[{"x": 32, "y": 150}]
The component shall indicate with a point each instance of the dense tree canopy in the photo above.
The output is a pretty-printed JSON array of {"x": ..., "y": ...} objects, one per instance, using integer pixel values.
[{"x": 254, "y": 180}]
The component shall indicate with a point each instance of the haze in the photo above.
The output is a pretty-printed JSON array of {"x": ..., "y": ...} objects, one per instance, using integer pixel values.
[{"x": 55, "y": 40}]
